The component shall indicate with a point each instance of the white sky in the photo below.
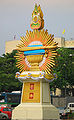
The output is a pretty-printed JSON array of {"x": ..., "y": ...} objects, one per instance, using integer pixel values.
[{"x": 15, "y": 17}]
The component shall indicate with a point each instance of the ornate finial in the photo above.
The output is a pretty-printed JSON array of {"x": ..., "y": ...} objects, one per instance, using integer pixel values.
[{"x": 37, "y": 18}]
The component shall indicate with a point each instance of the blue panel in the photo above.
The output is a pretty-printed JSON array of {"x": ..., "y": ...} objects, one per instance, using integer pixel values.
[
  {"x": 34, "y": 45},
  {"x": 34, "y": 52}
]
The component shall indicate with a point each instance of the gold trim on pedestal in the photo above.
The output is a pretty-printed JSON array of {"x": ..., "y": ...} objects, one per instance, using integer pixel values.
[{"x": 34, "y": 93}]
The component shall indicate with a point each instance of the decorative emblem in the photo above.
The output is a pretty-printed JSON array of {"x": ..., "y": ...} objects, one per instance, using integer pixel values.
[
  {"x": 31, "y": 86},
  {"x": 31, "y": 95},
  {"x": 37, "y": 18},
  {"x": 37, "y": 51}
]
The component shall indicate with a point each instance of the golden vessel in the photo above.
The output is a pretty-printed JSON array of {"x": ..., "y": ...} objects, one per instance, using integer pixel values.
[{"x": 34, "y": 61}]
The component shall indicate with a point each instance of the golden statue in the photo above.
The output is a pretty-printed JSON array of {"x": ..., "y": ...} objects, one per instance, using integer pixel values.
[{"x": 37, "y": 49}]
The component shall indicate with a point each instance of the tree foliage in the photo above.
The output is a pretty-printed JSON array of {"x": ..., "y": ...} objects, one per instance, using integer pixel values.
[
  {"x": 64, "y": 69},
  {"x": 7, "y": 73}
]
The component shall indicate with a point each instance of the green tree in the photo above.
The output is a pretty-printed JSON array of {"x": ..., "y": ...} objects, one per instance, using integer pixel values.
[
  {"x": 7, "y": 73},
  {"x": 64, "y": 69}
]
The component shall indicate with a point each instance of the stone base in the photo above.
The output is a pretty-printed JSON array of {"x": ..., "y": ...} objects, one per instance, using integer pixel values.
[{"x": 35, "y": 112}]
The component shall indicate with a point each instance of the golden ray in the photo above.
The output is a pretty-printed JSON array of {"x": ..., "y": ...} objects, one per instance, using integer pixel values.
[
  {"x": 49, "y": 57},
  {"x": 18, "y": 46},
  {"x": 54, "y": 43},
  {"x": 52, "y": 58},
  {"x": 47, "y": 71},
  {"x": 27, "y": 34},
  {"x": 26, "y": 38},
  {"x": 30, "y": 33},
  {"x": 21, "y": 67},
  {"x": 16, "y": 56},
  {"x": 54, "y": 54},
  {"x": 50, "y": 42},
  {"x": 19, "y": 52},
  {"x": 19, "y": 60},
  {"x": 18, "y": 64},
  {"x": 54, "y": 51},
  {"x": 49, "y": 65},
  {"x": 23, "y": 40},
  {"x": 21, "y": 70},
  {"x": 38, "y": 35},
  {"x": 52, "y": 63},
  {"x": 48, "y": 68}
]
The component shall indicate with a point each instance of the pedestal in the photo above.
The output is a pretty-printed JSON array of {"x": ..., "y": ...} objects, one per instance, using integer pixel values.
[{"x": 35, "y": 103}]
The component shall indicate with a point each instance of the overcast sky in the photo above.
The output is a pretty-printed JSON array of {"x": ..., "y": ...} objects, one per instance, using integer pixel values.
[{"x": 15, "y": 17}]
